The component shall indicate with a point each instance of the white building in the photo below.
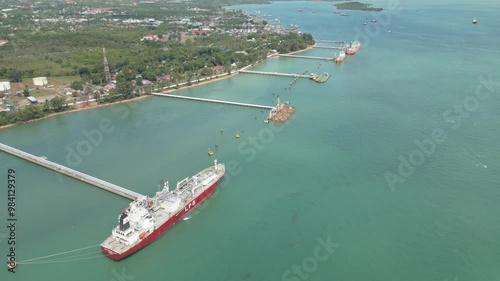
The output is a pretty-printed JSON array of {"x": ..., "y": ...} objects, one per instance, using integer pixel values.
[
  {"x": 40, "y": 81},
  {"x": 4, "y": 86}
]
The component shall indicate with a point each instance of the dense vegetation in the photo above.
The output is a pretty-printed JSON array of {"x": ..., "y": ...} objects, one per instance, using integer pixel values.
[{"x": 30, "y": 112}]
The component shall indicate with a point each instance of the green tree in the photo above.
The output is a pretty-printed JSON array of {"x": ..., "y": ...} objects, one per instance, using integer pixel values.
[
  {"x": 124, "y": 88},
  {"x": 14, "y": 76},
  {"x": 77, "y": 85},
  {"x": 83, "y": 71},
  {"x": 58, "y": 104},
  {"x": 138, "y": 81},
  {"x": 26, "y": 91}
]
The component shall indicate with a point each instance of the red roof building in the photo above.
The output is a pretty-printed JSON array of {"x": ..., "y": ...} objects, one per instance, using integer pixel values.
[{"x": 217, "y": 67}]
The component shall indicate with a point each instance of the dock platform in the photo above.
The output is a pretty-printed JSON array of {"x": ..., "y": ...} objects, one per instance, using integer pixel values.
[{"x": 70, "y": 172}]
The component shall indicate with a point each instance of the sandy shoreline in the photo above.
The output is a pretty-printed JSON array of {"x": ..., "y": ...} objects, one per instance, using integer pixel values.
[{"x": 93, "y": 105}]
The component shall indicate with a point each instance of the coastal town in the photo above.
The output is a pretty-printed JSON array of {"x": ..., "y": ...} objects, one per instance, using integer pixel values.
[
  {"x": 210, "y": 43},
  {"x": 182, "y": 46}
]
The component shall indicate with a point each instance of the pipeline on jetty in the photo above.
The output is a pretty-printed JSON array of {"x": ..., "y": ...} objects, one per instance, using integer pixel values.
[
  {"x": 214, "y": 101},
  {"x": 329, "y": 47},
  {"x": 70, "y": 172},
  {"x": 330, "y": 41},
  {"x": 305, "y": 57},
  {"x": 276, "y": 74}
]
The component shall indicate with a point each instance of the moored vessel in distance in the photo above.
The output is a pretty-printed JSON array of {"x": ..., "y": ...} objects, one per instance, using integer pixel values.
[
  {"x": 352, "y": 48},
  {"x": 321, "y": 78},
  {"x": 344, "y": 15},
  {"x": 146, "y": 219},
  {"x": 340, "y": 57}
]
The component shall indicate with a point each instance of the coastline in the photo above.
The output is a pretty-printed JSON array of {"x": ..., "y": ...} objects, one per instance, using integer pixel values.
[{"x": 93, "y": 105}]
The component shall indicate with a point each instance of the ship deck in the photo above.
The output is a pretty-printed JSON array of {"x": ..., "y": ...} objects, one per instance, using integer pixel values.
[{"x": 185, "y": 193}]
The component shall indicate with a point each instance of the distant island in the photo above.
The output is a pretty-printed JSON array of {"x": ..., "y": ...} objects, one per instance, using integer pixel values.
[{"x": 357, "y": 6}]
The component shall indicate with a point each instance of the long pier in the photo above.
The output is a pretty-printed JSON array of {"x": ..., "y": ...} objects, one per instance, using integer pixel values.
[
  {"x": 328, "y": 47},
  {"x": 214, "y": 101},
  {"x": 276, "y": 74},
  {"x": 330, "y": 41},
  {"x": 70, "y": 172},
  {"x": 306, "y": 57}
]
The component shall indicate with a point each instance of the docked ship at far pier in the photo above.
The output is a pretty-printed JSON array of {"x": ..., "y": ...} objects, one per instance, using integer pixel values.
[{"x": 352, "y": 48}]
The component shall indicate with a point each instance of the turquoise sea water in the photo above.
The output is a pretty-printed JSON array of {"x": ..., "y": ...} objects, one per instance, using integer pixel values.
[{"x": 321, "y": 175}]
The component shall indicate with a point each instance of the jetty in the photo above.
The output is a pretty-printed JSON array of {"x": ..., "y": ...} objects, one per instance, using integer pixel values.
[
  {"x": 328, "y": 47},
  {"x": 42, "y": 161},
  {"x": 214, "y": 101},
  {"x": 306, "y": 57},
  {"x": 330, "y": 41},
  {"x": 276, "y": 74}
]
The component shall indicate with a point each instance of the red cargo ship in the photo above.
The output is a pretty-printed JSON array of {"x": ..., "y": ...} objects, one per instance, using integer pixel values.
[{"x": 146, "y": 219}]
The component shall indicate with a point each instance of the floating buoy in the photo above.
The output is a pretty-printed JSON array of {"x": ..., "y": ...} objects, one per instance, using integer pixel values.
[
  {"x": 474, "y": 21},
  {"x": 11, "y": 264},
  {"x": 221, "y": 130},
  {"x": 237, "y": 136}
]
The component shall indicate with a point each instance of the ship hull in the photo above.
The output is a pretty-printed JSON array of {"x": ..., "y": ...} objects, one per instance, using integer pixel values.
[
  {"x": 163, "y": 228},
  {"x": 352, "y": 52}
]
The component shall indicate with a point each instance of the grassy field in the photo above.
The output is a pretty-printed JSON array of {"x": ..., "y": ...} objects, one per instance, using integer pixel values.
[
  {"x": 43, "y": 92},
  {"x": 62, "y": 80}
]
